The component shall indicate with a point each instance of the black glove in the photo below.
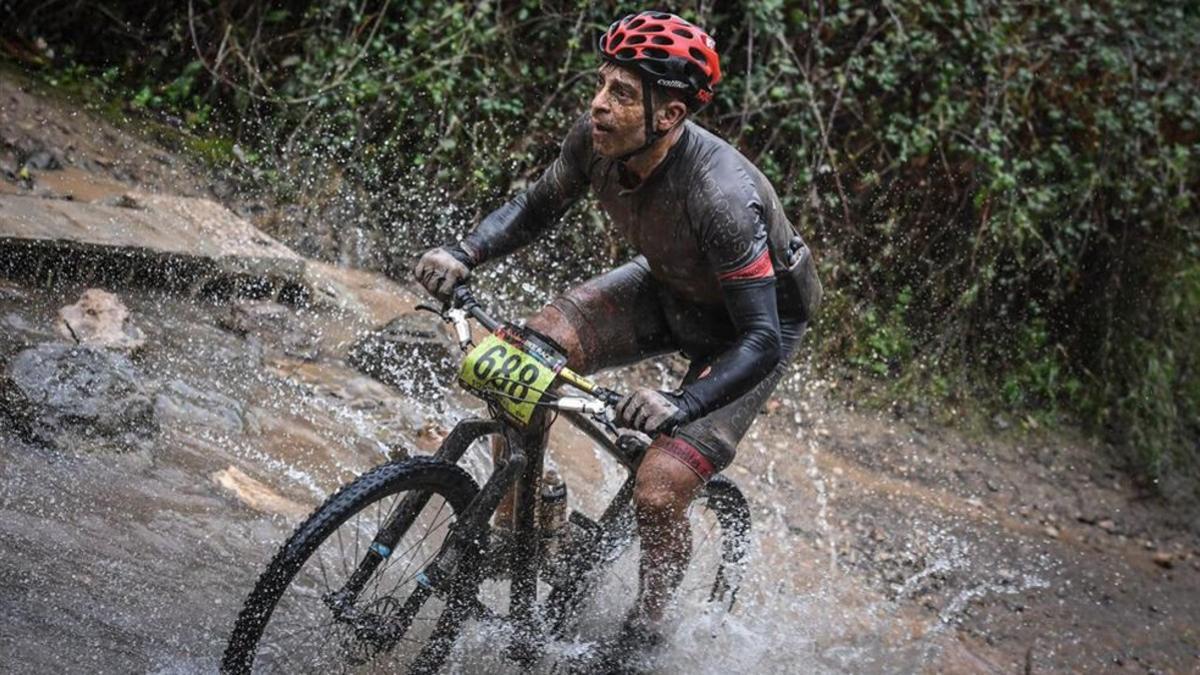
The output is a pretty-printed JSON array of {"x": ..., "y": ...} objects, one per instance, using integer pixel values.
[
  {"x": 441, "y": 269},
  {"x": 651, "y": 411}
]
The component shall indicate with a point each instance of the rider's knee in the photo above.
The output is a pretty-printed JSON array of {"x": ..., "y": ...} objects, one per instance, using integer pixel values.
[
  {"x": 657, "y": 502},
  {"x": 552, "y": 323}
]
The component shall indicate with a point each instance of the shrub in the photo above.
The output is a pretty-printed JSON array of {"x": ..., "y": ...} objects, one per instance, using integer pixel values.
[{"x": 1003, "y": 188}]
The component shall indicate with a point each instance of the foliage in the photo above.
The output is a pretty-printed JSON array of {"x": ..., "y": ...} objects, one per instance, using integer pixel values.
[
  {"x": 885, "y": 346},
  {"x": 1007, "y": 189}
]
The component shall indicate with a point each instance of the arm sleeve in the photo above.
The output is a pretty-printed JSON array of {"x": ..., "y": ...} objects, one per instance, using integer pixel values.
[
  {"x": 532, "y": 212},
  {"x": 733, "y": 234}
]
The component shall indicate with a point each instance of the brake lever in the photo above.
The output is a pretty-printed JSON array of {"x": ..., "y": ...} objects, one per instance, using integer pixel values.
[
  {"x": 607, "y": 424},
  {"x": 430, "y": 308},
  {"x": 454, "y": 316}
]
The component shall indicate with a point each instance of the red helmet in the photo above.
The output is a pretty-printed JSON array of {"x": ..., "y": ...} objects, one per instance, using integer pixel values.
[{"x": 668, "y": 51}]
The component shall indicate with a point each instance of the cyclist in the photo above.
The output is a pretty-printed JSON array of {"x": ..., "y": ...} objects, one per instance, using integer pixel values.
[{"x": 721, "y": 276}]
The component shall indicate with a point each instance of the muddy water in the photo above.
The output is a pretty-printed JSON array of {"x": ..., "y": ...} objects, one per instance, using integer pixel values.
[{"x": 138, "y": 562}]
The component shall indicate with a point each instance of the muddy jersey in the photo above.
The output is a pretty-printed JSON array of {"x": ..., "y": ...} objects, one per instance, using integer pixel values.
[
  {"x": 705, "y": 214},
  {"x": 707, "y": 222}
]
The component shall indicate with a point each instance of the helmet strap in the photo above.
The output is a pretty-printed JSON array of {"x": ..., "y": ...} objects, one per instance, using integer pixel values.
[{"x": 652, "y": 134}]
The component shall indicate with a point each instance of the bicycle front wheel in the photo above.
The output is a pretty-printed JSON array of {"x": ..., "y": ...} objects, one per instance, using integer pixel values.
[{"x": 300, "y": 616}]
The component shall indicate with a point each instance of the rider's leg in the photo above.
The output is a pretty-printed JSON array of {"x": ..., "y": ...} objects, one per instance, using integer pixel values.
[
  {"x": 676, "y": 467},
  {"x": 666, "y": 484},
  {"x": 610, "y": 320},
  {"x": 551, "y": 323}
]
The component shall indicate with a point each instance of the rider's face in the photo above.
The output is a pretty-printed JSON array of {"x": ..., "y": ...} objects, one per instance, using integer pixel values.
[{"x": 618, "y": 120}]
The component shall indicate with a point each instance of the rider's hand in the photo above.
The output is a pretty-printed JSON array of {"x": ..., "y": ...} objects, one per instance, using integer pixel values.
[
  {"x": 650, "y": 411},
  {"x": 440, "y": 270}
]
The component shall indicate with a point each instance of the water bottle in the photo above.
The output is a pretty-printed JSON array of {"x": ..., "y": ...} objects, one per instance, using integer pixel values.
[{"x": 553, "y": 521}]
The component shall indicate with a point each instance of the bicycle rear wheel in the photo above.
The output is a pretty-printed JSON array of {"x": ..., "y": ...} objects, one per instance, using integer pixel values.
[
  {"x": 295, "y": 620},
  {"x": 719, "y": 518}
]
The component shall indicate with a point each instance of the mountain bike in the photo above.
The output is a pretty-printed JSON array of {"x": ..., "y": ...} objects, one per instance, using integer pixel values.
[{"x": 391, "y": 569}]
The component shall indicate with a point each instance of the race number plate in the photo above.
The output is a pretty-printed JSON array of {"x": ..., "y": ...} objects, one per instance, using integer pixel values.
[{"x": 512, "y": 367}]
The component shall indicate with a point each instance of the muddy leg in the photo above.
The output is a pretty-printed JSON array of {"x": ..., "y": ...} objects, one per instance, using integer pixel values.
[
  {"x": 504, "y": 516},
  {"x": 665, "y": 487},
  {"x": 552, "y": 323}
]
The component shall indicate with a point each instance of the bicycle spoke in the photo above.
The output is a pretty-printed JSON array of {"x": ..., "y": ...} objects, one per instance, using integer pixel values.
[
  {"x": 404, "y": 579},
  {"x": 376, "y": 579},
  {"x": 341, "y": 549},
  {"x": 357, "y": 520},
  {"x": 304, "y": 634},
  {"x": 394, "y": 556},
  {"x": 421, "y": 544}
]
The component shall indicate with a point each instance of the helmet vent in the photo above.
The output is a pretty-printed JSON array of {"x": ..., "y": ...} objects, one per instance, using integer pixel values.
[{"x": 668, "y": 50}]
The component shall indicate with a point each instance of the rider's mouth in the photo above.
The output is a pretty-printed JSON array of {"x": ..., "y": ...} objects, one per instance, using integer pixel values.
[{"x": 597, "y": 127}]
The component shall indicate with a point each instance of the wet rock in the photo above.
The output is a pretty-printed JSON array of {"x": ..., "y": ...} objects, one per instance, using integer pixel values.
[
  {"x": 180, "y": 402},
  {"x": 276, "y": 324},
  {"x": 430, "y": 435},
  {"x": 123, "y": 201},
  {"x": 410, "y": 353},
  {"x": 1164, "y": 559},
  {"x": 172, "y": 242},
  {"x": 77, "y": 398},
  {"x": 100, "y": 319},
  {"x": 1051, "y": 531},
  {"x": 45, "y": 160},
  {"x": 8, "y": 167},
  {"x": 221, "y": 190},
  {"x": 257, "y": 495}
]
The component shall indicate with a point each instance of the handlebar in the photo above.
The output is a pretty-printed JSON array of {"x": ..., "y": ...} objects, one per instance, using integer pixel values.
[
  {"x": 465, "y": 300},
  {"x": 462, "y": 304}
]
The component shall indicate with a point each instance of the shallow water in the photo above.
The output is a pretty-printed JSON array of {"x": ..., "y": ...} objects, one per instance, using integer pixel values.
[{"x": 139, "y": 562}]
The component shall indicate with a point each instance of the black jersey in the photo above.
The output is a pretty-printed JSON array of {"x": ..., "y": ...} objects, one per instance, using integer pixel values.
[{"x": 709, "y": 224}]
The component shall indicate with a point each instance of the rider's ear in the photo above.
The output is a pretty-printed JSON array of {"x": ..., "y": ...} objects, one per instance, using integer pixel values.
[{"x": 670, "y": 114}]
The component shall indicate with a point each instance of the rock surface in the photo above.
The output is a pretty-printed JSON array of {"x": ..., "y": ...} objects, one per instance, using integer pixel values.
[
  {"x": 78, "y": 398},
  {"x": 276, "y": 324},
  {"x": 409, "y": 353},
  {"x": 180, "y": 402},
  {"x": 100, "y": 319},
  {"x": 257, "y": 495},
  {"x": 145, "y": 239}
]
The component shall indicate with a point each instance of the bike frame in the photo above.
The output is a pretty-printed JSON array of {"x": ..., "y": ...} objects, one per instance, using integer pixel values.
[{"x": 520, "y": 470}]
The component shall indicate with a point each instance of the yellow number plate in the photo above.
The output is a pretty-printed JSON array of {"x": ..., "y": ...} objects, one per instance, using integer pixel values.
[{"x": 512, "y": 368}]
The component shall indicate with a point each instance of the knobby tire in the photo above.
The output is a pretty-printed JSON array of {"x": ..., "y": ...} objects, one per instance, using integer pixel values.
[{"x": 447, "y": 481}]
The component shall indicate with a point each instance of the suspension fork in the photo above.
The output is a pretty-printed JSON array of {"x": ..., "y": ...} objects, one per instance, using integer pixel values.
[
  {"x": 527, "y": 550},
  {"x": 403, "y": 516}
]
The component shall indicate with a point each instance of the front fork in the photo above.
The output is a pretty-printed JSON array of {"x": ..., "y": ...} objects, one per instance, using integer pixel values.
[
  {"x": 464, "y": 433},
  {"x": 526, "y": 551}
]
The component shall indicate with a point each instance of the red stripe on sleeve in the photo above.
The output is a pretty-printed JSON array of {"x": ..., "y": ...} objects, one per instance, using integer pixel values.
[{"x": 759, "y": 268}]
